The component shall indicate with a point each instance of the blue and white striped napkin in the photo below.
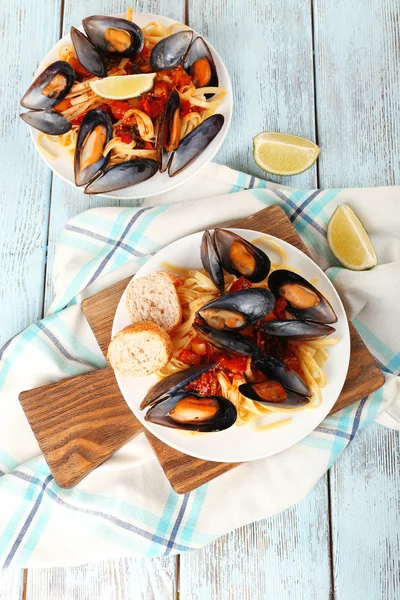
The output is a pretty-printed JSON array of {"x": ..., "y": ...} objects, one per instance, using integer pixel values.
[{"x": 126, "y": 507}]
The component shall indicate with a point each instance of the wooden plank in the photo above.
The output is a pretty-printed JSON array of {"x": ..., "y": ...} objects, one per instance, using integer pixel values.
[
  {"x": 11, "y": 584},
  {"x": 267, "y": 49},
  {"x": 358, "y": 92},
  {"x": 285, "y": 556},
  {"x": 124, "y": 579},
  {"x": 24, "y": 192},
  {"x": 67, "y": 201},
  {"x": 365, "y": 486},
  {"x": 358, "y": 128}
]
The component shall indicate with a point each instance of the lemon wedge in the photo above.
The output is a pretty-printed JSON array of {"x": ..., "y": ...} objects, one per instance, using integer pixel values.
[
  {"x": 284, "y": 154},
  {"x": 124, "y": 86},
  {"x": 349, "y": 241}
]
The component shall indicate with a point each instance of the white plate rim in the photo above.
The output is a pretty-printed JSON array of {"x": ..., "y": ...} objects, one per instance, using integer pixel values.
[
  {"x": 174, "y": 182},
  {"x": 161, "y": 432}
]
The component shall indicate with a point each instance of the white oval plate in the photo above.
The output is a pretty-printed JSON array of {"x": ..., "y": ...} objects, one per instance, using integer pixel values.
[
  {"x": 62, "y": 165},
  {"x": 239, "y": 444}
]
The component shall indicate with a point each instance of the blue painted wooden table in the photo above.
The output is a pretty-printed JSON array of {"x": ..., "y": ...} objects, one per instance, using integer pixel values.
[{"x": 323, "y": 69}]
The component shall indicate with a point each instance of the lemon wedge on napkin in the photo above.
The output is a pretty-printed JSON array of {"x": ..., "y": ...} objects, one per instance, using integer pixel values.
[
  {"x": 124, "y": 86},
  {"x": 349, "y": 241},
  {"x": 284, "y": 154}
]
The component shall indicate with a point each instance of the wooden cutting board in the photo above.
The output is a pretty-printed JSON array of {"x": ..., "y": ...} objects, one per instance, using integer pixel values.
[{"x": 80, "y": 422}]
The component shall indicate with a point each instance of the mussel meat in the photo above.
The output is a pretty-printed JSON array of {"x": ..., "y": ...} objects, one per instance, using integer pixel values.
[
  {"x": 89, "y": 57},
  {"x": 94, "y": 134},
  {"x": 192, "y": 412},
  {"x": 123, "y": 175},
  {"x": 169, "y": 52},
  {"x": 272, "y": 393},
  {"x": 211, "y": 262},
  {"x": 230, "y": 341},
  {"x": 50, "y": 87},
  {"x": 114, "y": 36},
  {"x": 296, "y": 330},
  {"x": 194, "y": 143},
  {"x": 239, "y": 257},
  {"x": 199, "y": 63},
  {"x": 172, "y": 384},
  {"x": 48, "y": 121},
  {"x": 169, "y": 131},
  {"x": 304, "y": 300},
  {"x": 275, "y": 369},
  {"x": 238, "y": 310}
]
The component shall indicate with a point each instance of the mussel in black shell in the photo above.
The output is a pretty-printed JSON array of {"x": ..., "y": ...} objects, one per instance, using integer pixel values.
[
  {"x": 114, "y": 36},
  {"x": 304, "y": 300},
  {"x": 50, "y": 87},
  {"x": 89, "y": 57},
  {"x": 230, "y": 341},
  {"x": 169, "y": 52},
  {"x": 296, "y": 330},
  {"x": 275, "y": 369},
  {"x": 123, "y": 175},
  {"x": 272, "y": 393},
  {"x": 238, "y": 310},
  {"x": 240, "y": 257},
  {"x": 211, "y": 262},
  {"x": 169, "y": 131},
  {"x": 94, "y": 134},
  {"x": 194, "y": 143},
  {"x": 192, "y": 412},
  {"x": 199, "y": 64},
  {"x": 48, "y": 121},
  {"x": 172, "y": 384}
]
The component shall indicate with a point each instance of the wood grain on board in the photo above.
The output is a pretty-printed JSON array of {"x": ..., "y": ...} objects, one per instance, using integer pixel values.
[
  {"x": 100, "y": 421},
  {"x": 79, "y": 423}
]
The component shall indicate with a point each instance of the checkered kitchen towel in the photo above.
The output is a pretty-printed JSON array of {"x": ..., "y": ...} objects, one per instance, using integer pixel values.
[{"x": 126, "y": 506}]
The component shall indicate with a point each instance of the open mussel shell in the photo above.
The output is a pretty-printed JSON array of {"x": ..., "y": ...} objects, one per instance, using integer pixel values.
[
  {"x": 238, "y": 310},
  {"x": 194, "y": 143},
  {"x": 50, "y": 87},
  {"x": 123, "y": 175},
  {"x": 114, "y": 36},
  {"x": 239, "y": 257},
  {"x": 169, "y": 52},
  {"x": 211, "y": 262},
  {"x": 172, "y": 384},
  {"x": 89, "y": 57},
  {"x": 199, "y": 63},
  {"x": 191, "y": 412},
  {"x": 296, "y": 330},
  {"x": 94, "y": 134},
  {"x": 228, "y": 340},
  {"x": 169, "y": 131},
  {"x": 292, "y": 399},
  {"x": 48, "y": 121},
  {"x": 275, "y": 369},
  {"x": 304, "y": 300}
]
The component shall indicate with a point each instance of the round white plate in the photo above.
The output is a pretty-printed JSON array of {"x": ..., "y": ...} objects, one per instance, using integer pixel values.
[
  {"x": 239, "y": 444},
  {"x": 62, "y": 165}
]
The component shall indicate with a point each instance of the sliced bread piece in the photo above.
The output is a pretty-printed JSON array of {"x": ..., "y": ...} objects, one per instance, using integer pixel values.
[
  {"x": 154, "y": 298},
  {"x": 139, "y": 349}
]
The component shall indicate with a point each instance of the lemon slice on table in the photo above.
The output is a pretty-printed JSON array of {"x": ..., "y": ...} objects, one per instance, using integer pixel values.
[
  {"x": 284, "y": 154},
  {"x": 124, "y": 86},
  {"x": 349, "y": 241}
]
